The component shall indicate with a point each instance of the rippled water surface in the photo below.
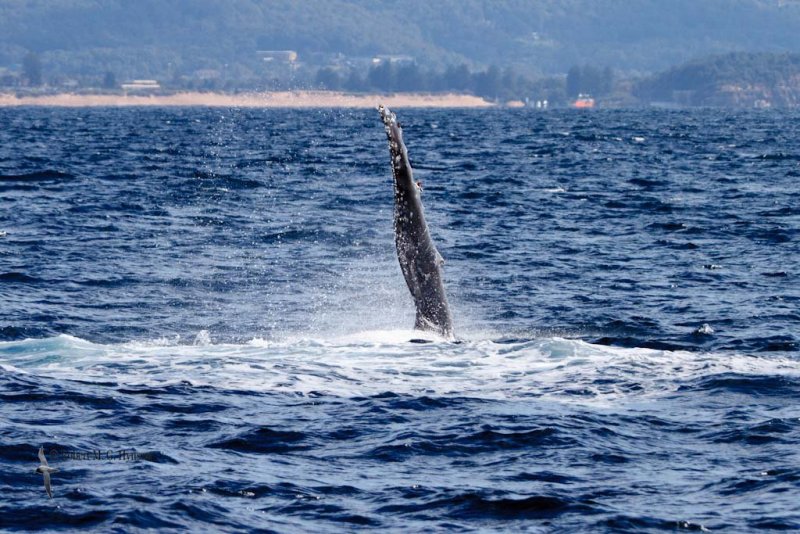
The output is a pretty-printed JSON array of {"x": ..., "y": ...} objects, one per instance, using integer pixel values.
[{"x": 217, "y": 292}]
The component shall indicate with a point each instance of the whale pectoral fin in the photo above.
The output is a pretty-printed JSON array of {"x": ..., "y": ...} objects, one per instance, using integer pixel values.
[{"x": 419, "y": 259}]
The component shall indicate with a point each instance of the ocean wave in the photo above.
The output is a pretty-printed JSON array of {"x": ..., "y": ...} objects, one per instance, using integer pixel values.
[
  {"x": 374, "y": 362},
  {"x": 36, "y": 176}
]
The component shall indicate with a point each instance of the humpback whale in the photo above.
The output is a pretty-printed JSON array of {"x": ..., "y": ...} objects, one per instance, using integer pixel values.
[{"x": 419, "y": 260}]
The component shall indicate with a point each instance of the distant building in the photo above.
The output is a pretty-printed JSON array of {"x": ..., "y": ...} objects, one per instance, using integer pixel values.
[
  {"x": 277, "y": 56},
  {"x": 393, "y": 59},
  {"x": 141, "y": 85}
]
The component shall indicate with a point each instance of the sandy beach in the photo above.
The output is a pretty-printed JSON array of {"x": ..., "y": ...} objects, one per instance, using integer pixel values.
[{"x": 279, "y": 99}]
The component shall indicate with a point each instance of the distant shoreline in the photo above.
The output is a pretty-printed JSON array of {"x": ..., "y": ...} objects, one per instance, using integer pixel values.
[{"x": 273, "y": 99}]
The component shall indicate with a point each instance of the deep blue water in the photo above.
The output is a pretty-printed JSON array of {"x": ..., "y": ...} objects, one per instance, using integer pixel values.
[{"x": 217, "y": 291}]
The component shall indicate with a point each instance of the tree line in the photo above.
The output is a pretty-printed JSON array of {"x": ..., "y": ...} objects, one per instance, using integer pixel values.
[
  {"x": 737, "y": 79},
  {"x": 492, "y": 83},
  {"x": 701, "y": 82},
  {"x": 149, "y": 37}
]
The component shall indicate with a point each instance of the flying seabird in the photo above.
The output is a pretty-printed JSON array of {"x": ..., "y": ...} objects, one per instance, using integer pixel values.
[{"x": 45, "y": 470}]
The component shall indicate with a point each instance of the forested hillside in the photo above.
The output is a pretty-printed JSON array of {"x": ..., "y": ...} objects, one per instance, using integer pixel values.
[
  {"x": 160, "y": 38},
  {"x": 730, "y": 80}
]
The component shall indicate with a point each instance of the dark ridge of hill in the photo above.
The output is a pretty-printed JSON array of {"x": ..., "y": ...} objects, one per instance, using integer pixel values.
[
  {"x": 161, "y": 38},
  {"x": 729, "y": 80}
]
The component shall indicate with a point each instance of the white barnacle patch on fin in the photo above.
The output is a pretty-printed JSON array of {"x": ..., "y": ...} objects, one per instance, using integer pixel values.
[{"x": 425, "y": 324}]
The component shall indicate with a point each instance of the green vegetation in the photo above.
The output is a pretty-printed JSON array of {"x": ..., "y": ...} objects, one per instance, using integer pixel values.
[
  {"x": 589, "y": 80},
  {"x": 32, "y": 69},
  {"x": 491, "y": 83},
  {"x": 737, "y": 79},
  {"x": 162, "y": 38},
  {"x": 499, "y": 49}
]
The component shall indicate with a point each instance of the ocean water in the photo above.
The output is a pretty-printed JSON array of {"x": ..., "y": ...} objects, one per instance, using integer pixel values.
[{"x": 204, "y": 325}]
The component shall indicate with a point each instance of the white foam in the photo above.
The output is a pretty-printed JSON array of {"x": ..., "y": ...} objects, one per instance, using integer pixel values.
[{"x": 373, "y": 362}]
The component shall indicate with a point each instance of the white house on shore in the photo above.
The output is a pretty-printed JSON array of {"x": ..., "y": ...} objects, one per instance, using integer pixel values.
[{"x": 141, "y": 85}]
